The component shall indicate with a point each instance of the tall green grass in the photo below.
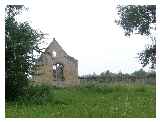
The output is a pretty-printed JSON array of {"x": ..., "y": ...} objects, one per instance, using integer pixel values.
[
  {"x": 115, "y": 100},
  {"x": 37, "y": 94}
]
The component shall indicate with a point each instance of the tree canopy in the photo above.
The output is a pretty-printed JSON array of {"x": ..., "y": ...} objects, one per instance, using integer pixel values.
[
  {"x": 137, "y": 19},
  {"x": 20, "y": 42}
]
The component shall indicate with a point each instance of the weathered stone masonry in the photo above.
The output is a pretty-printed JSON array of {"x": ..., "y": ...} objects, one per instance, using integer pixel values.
[{"x": 56, "y": 67}]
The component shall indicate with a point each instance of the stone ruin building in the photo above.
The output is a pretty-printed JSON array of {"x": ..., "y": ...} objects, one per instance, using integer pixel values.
[{"x": 56, "y": 67}]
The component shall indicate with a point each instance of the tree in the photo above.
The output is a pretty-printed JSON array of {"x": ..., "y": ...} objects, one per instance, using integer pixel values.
[
  {"x": 139, "y": 74},
  {"x": 21, "y": 42},
  {"x": 140, "y": 20}
]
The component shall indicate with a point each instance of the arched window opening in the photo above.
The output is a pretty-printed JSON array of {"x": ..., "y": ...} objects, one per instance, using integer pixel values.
[
  {"x": 58, "y": 72},
  {"x": 54, "y": 54}
]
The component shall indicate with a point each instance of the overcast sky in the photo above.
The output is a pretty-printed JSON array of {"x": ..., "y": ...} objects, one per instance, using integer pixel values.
[{"x": 86, "y": 30}]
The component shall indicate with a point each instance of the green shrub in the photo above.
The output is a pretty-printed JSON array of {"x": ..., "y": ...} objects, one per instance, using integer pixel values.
[
  {"x": 38, "y": 94},
  {"x": 140, "y": 89}
]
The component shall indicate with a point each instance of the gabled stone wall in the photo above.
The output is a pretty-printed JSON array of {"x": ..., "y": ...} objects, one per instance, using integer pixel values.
[{"x": 54, "y": 64}]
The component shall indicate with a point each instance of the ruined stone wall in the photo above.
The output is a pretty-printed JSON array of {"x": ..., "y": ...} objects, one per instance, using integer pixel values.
[
  {"x": 43, "y": 74},
  {"x": 45, "y": 67}
]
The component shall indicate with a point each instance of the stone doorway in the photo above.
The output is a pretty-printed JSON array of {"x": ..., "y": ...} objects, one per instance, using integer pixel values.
[{"x": 58, "y": 74}]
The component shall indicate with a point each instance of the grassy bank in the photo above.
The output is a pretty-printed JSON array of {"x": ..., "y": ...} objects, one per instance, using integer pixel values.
[{"x": 91, "y": 101}]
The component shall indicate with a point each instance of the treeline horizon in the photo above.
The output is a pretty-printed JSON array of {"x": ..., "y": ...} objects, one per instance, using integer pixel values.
[{"x": 108, "y": 76}]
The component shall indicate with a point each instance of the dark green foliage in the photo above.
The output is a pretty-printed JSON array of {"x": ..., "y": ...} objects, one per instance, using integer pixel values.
[
  {"x": 20, "y": 42},
  {"x": 148, "y": 56},
  {"x": 37, "y": 94},
  {"x": 141, "y": 20},
  {"x": 137, "y": 18}
]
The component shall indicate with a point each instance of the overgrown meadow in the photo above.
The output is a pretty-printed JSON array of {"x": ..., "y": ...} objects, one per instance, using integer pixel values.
[{"x": 96, "y": 100}]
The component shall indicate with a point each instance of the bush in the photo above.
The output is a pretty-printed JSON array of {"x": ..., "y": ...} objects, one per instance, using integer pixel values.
[
  {"x": 140, "y": 89},
  {"x": 38, "y": 94}
]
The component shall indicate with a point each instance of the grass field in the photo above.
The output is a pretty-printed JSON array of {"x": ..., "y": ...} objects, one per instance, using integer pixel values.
[{"x": 100, "y": 101}]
